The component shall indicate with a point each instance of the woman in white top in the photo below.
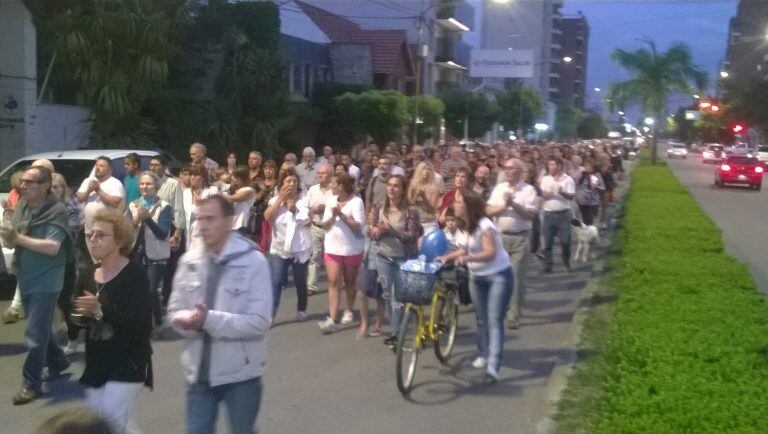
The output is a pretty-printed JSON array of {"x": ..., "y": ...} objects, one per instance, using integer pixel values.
[
  {"x": 344, "y": 245},
  {"x": 288, "y": 214},
  {"x": 490, "y": 282},
  {"x": 197, "y": 191},
  {"x": 242, "y": 196}
]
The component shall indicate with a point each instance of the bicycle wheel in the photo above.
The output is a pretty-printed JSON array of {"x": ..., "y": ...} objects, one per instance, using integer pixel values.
[
  {"x": 446, "y": 324},
  {"x": 407, "y": 350}
]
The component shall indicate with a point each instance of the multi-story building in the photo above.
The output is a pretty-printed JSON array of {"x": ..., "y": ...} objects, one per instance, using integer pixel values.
[
  {"x": 529, "y": 25},
  {"x": 572, "y": 71},
  {"x": 747, "y": 53}
]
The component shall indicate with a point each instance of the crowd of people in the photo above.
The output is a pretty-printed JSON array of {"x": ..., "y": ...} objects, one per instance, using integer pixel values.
[{"x": 124, "y": 259}]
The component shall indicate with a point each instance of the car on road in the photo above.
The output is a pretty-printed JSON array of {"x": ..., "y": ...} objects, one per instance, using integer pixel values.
[
  {"x": 712, "y": 153},
  {"x": 740, "y": 171},
  {"x": 677, "y": 150},
  {"x": 762, "y": 153},
  {"x": 75, "y": 166},
  {"x": 740, "y": 149}
]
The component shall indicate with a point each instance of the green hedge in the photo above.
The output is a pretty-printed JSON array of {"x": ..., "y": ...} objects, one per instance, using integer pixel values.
[{"x": 687, "y": 345}]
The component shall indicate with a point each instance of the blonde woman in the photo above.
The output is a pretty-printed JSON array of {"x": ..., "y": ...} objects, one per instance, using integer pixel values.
[{"x": 424, "y": 193}]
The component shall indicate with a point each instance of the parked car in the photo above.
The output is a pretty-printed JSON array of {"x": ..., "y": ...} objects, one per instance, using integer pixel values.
[
  {"x": 677, "y": 150},
  {"x": 712, "y": 153},
  {"x": 75, "y": 166},
  {"x": 740, "y": 171}
]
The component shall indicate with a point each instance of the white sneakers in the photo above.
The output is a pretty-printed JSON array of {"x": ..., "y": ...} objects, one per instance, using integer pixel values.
[
  {"x": 479, "y": 363},
  {"x": 328, "y": 325},
  {"x": 71, "y": 348},
  {"x": 348, "y": 317}
]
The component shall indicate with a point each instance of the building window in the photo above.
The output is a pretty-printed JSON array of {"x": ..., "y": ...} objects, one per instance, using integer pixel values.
[
  {"x": 298, "y": 78},
  {"x": 307, "y": 80}
]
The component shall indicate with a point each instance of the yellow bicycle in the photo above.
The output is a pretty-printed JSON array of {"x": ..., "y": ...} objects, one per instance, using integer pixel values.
[{"x": 417, "y": 331}]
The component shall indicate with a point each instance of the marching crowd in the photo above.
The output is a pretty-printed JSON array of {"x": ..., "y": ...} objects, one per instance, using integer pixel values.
[{"x": 122, "y": 259}]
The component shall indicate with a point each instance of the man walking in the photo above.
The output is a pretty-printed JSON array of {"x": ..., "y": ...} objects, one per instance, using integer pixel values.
[
  {"x": 558, "y": 190},
  {"x": 169, "y": 190},
  {"x": 222, "y": 305},
  {"x": 317, "y": 196},
  {"x": 514, "y": 205},
  {"x": 132, "y": 165},
  {"x": 41, "y": 238},
  {"x": 100, "y": 191}
]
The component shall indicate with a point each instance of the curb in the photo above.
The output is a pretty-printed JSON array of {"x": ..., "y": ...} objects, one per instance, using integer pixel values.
[{"x": 546, "y": 409}]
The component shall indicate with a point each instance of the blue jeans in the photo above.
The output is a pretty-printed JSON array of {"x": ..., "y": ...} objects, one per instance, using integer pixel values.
[
  {"x": 557, "y": 224},
  {"x": 155, "y": 274},
  {"x": 43, "y": 350},
  {"x": 279, "y": 269},
  {"x": 491, "y": 295},
  {"x": 242, "y": 400},
  {"x": 388, "y": 270}
]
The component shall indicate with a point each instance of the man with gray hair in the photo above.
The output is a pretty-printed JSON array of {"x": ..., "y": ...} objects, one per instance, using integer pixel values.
[
  {"x": 198, "y": 156},
  {"x": 327, "y": 154},
  {"x": 307, "y": 170},
  {"x": 317, "y": 196},
  {"x": 513, "y": 204}
]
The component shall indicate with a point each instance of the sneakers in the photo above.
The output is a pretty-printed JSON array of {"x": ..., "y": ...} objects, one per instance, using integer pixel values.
[
  {"x": 11, "y": 315},
  {"x": 348, "y": 317},
  {"x": 479, "y": 363},
  {"x": 301, "y": 315},
  {"x": 328, "y": 325},
  {"x": 71, "y": 348},
  {"x": 513, "y": 324},
  {"x": 25, "y": 396},
  {"x": 391, "y": 342},
  {"x": 491, "y": 376}
]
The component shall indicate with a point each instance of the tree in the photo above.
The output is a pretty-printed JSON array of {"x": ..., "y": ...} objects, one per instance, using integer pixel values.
[
  {"x": 111, "y": 55},
  {"x": 382, "y": 114},
  {"x": 510, "y": 112},
  {"x": 747, "y": 101},
  {"x": 430, "y": 111},
  {"x": 655, "y": 76},
  {"x": 465, "y": 107},
  {"x": 592, "y": 126},
  {"x": 331, "y": 128},
  {"x": 567, "y": 119}
]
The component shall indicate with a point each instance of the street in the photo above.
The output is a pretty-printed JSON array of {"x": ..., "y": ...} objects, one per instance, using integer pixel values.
[
  {"x": 739, "y": 212},
  {"x": 336, "y": 383}
]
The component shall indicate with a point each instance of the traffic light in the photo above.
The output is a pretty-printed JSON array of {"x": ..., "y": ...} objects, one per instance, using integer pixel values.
[{"x": 738, "y": 129}]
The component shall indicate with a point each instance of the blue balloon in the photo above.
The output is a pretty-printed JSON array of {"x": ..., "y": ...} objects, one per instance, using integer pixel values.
[{"x": 433, "y": 245}]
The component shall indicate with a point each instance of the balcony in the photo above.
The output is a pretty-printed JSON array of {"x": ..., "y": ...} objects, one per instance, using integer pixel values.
[
  {"x": 445, "y": 54},
  {"x": 556, "y": 31},
  {"x": 450, "y": 18}
]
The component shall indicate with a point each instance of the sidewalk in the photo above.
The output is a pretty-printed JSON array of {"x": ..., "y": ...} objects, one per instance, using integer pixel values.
[{"x": 336, "y": 383}]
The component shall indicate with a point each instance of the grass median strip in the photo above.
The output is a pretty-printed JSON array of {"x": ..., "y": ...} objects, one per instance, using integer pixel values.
[{"x": 682, "y": 343}]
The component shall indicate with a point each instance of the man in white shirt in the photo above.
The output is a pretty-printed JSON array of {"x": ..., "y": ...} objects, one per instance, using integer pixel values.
[
  {"x": 558, "y": 190},
  {"x": 307, "y": 170},
  {"x": 100, "y": 191},
  {"x": 317, "y": 196},
  {"x": 514, "y": 205},
  {"x": 353, "y": 170}
]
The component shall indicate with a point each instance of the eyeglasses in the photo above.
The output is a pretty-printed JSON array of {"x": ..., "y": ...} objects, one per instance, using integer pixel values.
[{"x": 99, "y": 236}]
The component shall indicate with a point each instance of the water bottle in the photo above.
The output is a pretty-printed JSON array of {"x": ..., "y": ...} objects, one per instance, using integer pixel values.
[{"x": 422, "y": 263}]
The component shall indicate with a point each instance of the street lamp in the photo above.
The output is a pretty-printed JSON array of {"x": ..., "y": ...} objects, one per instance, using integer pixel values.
[
  {"x": 724, "y": 74},
  {"x": 541, "y": 127},
  {"x": 621, "y": 113},
  {"x": 695, "y": 96},
  {"x": 648, "y": 121},
  {"x": 567, "y": 59},
  {"x": 597, "y": 89},
  {"x": 501, "y": 2}
]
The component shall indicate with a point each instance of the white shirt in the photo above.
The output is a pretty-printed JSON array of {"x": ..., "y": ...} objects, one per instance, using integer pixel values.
[
  {"x": 525, "y": 196},
  {"x": 307, "y": 175},
  {"x": 500, "y": 261},
  {"x": 340, "y": 239},
  {"x": 190, "y": 211},
  {"x": 393, "y": 170},
  {"x": 291, "y": 235},
  {"x": 242, "y": 208},
  {"x": 354, "y": 172},
  {"x": 93, "y": 203},
  {"x": 316, "y": 195},
  {"x": 557, "y": 202}
]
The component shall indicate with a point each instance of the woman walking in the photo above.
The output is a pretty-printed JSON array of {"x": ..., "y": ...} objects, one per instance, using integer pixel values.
[
  {"x": 197, "y": 191},
  {"x": 242, "y": 196},
  {"x": 490, "y": 282},
  {"x": 344, "y": 245},
  {"x": 152, "y": 218},
  {"x": 117, "y": 307},
  {"x": 589, "y": 189},
  {"x": 288, "y": 214},
  {"x": 395, "y": 228}
]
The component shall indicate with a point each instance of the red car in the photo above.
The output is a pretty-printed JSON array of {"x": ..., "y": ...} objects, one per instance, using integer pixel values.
[{"x": 740, "y": 170}]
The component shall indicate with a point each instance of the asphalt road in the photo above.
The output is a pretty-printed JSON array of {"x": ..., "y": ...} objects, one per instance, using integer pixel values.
[
  {"x": 336, "y": 383},
  {"x": 738, "y": 211}
]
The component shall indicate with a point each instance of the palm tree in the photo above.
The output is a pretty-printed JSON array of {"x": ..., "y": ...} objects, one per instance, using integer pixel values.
[{"x": 655, "y": 76}]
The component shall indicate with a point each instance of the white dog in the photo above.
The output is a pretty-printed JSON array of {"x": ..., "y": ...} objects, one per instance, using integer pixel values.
[{"x": 586, "y": 235}]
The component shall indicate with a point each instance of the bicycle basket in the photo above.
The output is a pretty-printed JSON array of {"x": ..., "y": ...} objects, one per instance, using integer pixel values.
[{"x": 414, "y": 287}]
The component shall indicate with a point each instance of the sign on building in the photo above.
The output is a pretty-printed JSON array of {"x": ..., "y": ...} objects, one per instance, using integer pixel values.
[{"x": 501, "y": 63}]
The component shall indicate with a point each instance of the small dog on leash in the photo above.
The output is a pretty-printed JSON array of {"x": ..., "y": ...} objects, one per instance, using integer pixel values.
[{"x": 586, "y": 236}]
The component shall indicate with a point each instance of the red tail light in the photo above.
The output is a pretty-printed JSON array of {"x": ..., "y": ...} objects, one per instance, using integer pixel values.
[
  {"x": 725, "y": 168},
  {"x": 758, "y": 169}
]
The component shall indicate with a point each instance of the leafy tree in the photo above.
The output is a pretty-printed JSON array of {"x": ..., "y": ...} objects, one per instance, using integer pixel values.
[
  {"x": 510, "y": 112},
  {"x": 111, "y": 56},
  {"x": 655, "y": 76},
  {"x": 747, "y": 101},
  {"x": 382, "y": 114},
  {"x": 474, "y": 108},
  {"x": 592, "y": 126},
  {"x": 331, "y": 129},
  {"x": 567, "y": 120},
  {"x": 430, "y": 110}
]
